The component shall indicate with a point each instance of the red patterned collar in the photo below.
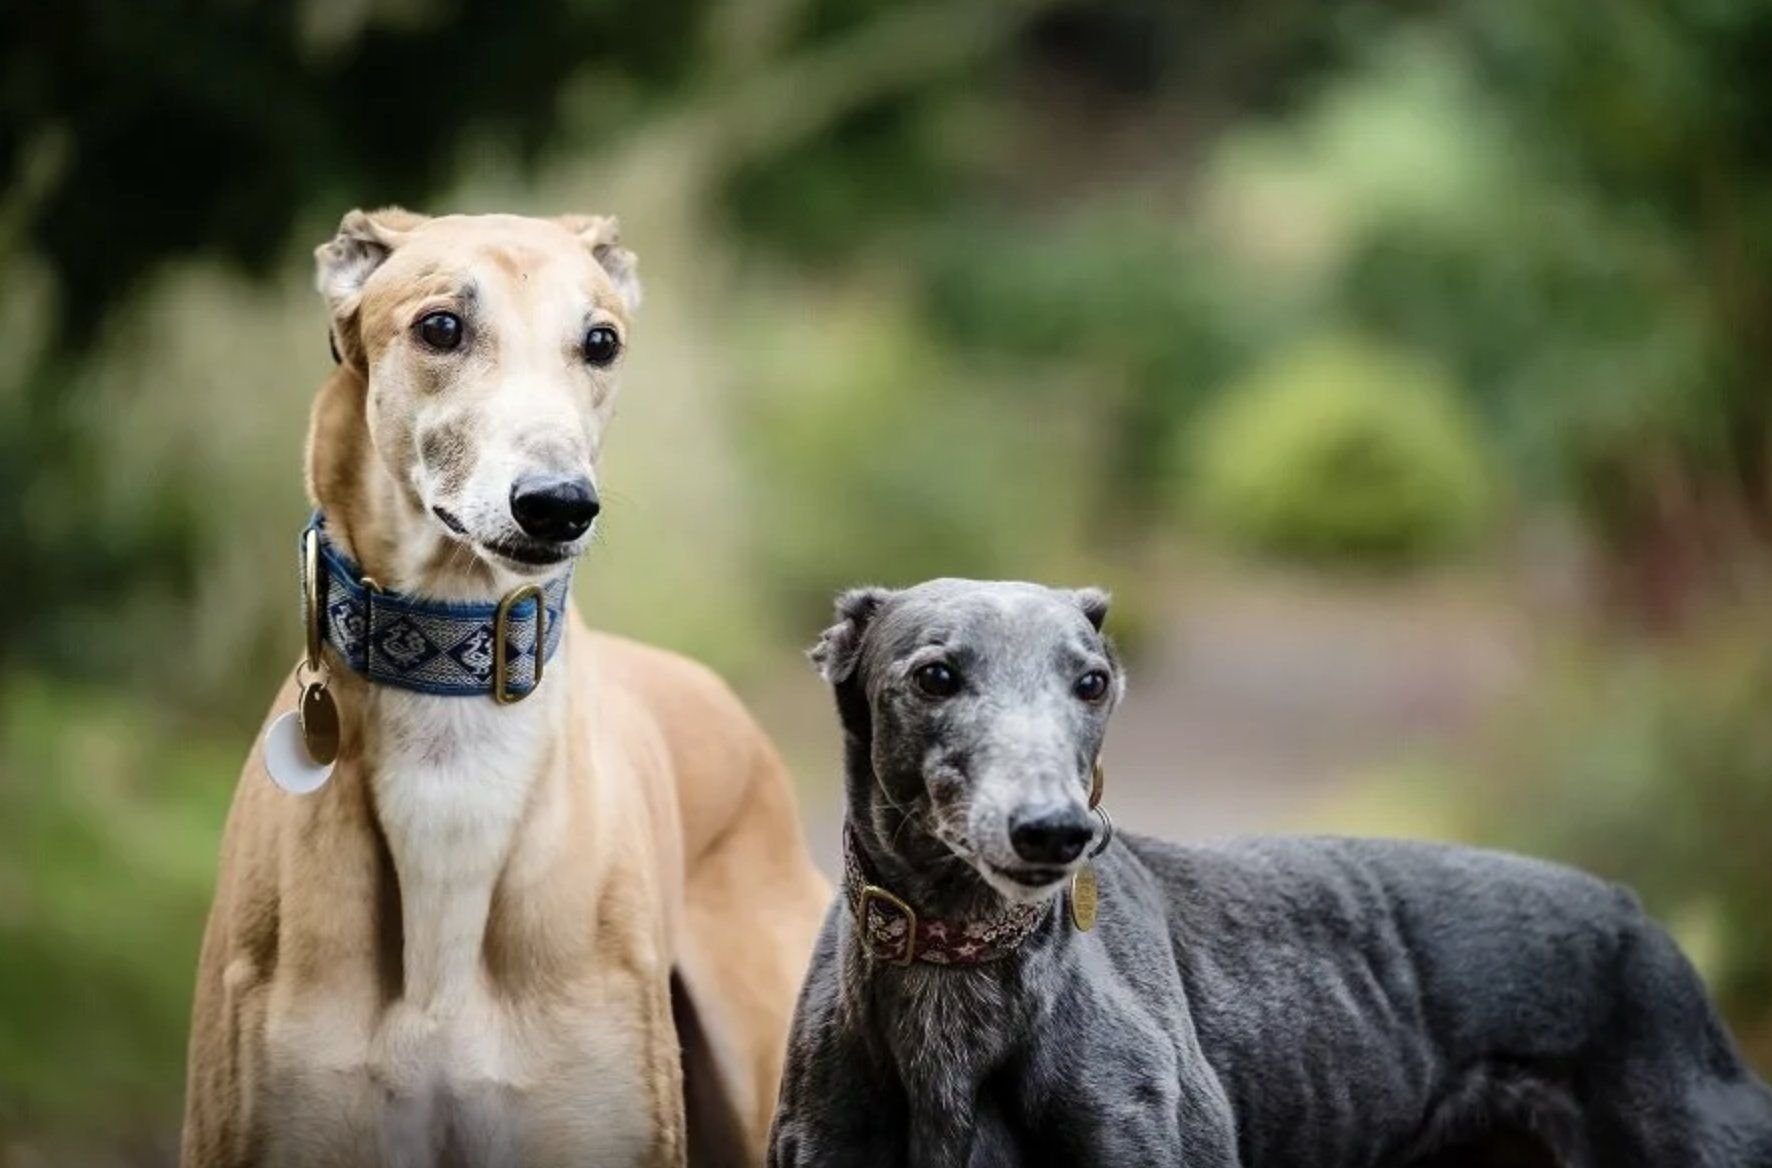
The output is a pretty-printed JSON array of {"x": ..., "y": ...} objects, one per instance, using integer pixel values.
[{"x": 893, "y": 932}]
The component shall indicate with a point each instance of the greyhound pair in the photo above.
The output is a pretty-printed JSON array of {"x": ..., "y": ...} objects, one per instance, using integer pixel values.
[
  {"x": 1272, "y": 1003},
  {"x": 521, "y": 894}
]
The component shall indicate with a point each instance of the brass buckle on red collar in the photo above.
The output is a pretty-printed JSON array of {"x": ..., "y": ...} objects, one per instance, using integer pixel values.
[{"x": 875, "y": 892}]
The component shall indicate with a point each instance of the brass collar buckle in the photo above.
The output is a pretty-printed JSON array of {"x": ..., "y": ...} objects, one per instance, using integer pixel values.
[
  {"x": 873, "y": 892},
  {"x": 501, "y": 668}
]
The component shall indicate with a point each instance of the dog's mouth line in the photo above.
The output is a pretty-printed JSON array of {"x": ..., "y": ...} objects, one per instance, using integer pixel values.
[
  {"x": 448, "y": 519},
  {"x": 1037, "y": 876},
  {"x": 530, "y": 553},
  {"x": 525, "y": 553}
]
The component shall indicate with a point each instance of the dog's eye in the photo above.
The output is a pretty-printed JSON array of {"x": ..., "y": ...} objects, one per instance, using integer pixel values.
[
  {"x": 1092, "y": 686},
  {"x": 937, "y": 679},
  {"x": 440, "y": 330},
  {"x": 601, "y": 345}
]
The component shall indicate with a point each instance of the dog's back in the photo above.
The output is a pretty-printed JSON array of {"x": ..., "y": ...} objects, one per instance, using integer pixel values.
[{"x": 1368, "y": 1001}]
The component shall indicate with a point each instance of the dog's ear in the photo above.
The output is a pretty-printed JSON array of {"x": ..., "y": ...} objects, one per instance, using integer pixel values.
[
  {"x": 344, "y": 263},
  {"x": 839, "y": 648},
  {"x": 602, "y": 234},
  {"x": 1094, "y": 603}
]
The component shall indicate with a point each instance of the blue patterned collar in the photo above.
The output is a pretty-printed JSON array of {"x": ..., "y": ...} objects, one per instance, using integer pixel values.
[{"x": 435, "y": 646}]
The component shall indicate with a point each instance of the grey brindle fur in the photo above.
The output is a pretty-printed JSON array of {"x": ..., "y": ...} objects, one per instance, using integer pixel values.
[{"x": 1277, "y": 1003}]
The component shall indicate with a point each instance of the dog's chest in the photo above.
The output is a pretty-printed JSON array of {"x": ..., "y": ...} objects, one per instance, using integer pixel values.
[
  {"x": 946, "y": 1033},
  {"x": 451, "y": 782},
  {"x": 483, "y": 1086},
  {"x": 457, "y": 1069}
]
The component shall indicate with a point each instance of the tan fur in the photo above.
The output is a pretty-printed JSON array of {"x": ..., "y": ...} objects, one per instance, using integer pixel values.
[{"x": 459, "y": 951}]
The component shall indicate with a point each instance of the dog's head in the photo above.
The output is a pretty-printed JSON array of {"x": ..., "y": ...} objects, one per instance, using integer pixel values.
[
  {"x": 488, "y": 346},
  {"x": 982, "y": 708}
]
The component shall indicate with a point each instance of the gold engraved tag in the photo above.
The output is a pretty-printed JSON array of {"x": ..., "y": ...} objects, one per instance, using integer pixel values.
[
  {"x": 319, "y": 724},
  {"x": 1085, "y": 897}
]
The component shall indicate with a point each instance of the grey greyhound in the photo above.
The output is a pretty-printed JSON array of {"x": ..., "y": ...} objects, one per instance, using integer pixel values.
[{"x": 1275, "y": 1003}]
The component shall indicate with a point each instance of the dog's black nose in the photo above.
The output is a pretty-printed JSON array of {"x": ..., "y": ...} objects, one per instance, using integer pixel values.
[
  {"x": 1050, "y": 837},
  {"x": 556, "y": 508}
]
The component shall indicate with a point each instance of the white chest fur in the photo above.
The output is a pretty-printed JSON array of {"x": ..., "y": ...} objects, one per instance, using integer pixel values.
[{"x": 451, "y": 778}]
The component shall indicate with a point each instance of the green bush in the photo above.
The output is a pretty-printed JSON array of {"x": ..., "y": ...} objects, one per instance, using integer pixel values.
[{"x": 1337, "y": 451}]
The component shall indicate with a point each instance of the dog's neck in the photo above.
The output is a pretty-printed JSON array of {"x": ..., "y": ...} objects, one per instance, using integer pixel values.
[{"x": 450, "y": 778}]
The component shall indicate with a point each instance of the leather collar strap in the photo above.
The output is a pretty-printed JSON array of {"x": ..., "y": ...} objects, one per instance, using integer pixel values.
[
  {"x": 433, "y": 646},
  {"x": 893, "y": 932}
]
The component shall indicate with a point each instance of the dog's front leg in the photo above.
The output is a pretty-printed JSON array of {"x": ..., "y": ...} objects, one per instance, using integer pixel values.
[
  {"x": 831, "y": 1111},
  {"x": 829, "y": 1115},
  {"x": 671, "y": 1150},
  {"x": 1149, "y": 1137},
  {"x": 835, "y": 1105},
  {"x": 1149, "y": 1121},
  {"x": 1130, "y": 1096},
  {"x": 808, "y": 1142}
]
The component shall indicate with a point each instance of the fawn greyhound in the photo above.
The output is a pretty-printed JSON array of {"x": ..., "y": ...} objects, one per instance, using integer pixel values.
[
  {"x": 533, "y": 918},
  {"x": 1280, "y": 1003}
]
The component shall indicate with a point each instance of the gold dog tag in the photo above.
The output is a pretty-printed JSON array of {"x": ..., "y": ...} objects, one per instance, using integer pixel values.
[
  {"x": 1085, "y": 898},
  {"x": 319, "y": 724}
]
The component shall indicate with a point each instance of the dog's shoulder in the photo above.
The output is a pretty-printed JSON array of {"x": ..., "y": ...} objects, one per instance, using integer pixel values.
[
  {"x": 724, "y": 767},
  {"x": 662, "y": 678},
  {"x": 698, "y": 714}
]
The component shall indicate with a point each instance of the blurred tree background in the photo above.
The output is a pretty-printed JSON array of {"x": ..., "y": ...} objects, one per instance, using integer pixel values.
[{"x": 1322, "y": 333}]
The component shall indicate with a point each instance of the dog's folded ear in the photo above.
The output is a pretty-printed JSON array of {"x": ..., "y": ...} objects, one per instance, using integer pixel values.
[
  {"x": 344, "y": 263},
  {"x": 602, "y": 234},
  {"x": 839, "y": 648},
  {"x": 1094, "y": 603}
]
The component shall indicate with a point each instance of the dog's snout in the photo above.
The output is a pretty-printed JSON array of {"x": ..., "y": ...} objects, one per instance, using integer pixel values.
[
  {"x": 1050, "y": 835},
  {"x": 556, "y": 508}
]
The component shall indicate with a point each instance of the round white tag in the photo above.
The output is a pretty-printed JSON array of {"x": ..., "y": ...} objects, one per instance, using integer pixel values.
[{"x": 287, "y": 761}]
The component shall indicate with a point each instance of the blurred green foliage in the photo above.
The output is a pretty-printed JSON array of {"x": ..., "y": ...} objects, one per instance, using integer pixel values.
[
  {"x": 116, "y": 115},
  {"x": 110, "y": 810},
  {"x": 1124, "y": 307},
  {"x": 1340, "y": 452},
  {"x": 917, "y": 472}
]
